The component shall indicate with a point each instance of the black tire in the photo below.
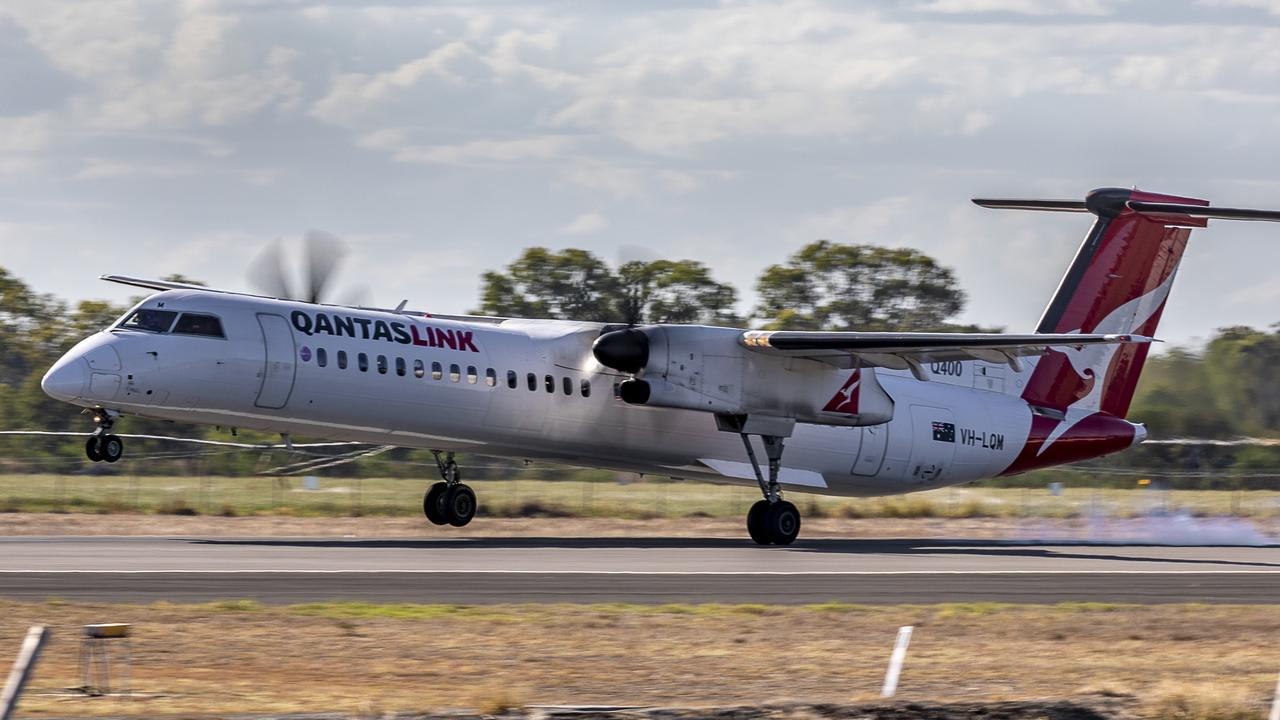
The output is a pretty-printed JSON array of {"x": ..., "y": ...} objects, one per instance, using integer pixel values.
[
  {"x": 783, "y": 522},
  {"x": 111, "y": 447},
  {"x": 460, "y": 505},
  {"x": 755, "y": 523},
  {"x": 433, "y": 505},
  {"x": 91, "y": 450}
]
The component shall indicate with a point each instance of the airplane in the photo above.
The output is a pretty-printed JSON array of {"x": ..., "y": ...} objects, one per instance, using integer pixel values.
[{"x": 858, "y": 413}]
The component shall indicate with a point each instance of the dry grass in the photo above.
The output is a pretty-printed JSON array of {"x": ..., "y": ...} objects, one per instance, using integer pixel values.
[
  {"x": 1182, "y": 661},
  {"x": 1200, "y": 701},
  {"x": 648, "y": 499}
]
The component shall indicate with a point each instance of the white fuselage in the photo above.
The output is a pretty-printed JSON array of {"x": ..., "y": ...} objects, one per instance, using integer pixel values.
[{"x": 966, "y": 423}]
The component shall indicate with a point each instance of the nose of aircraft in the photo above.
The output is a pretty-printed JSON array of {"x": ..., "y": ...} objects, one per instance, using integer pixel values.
[{"x": 66, "y": 379}]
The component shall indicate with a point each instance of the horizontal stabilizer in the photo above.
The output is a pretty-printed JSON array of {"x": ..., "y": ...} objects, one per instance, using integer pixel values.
[
  {"x": 1111, "y": 202},
  {"x": 1042, "y": 205}
]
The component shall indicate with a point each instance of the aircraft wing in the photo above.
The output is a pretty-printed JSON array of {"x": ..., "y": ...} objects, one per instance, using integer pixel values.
[
  {"x": 908, "y": 351},
  {"x": 162, "y": 285}
]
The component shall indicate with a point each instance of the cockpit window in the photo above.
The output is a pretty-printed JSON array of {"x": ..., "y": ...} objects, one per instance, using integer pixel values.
[
  {"x": 156, "y": 321},
  {"x": 194, "y": 324}
]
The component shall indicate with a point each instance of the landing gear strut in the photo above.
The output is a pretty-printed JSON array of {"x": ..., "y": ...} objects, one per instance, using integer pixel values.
[
  {"x": 449, "y": 502},
  {"x": 102, "y": 446},
  {"x": 771, "y": 521}
]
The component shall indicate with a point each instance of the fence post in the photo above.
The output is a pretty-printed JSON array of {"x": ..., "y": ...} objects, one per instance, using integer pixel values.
[
  {"x": 896, "y": 660},
  {"x": 22, "y": 667},
  {"x": 1275, "y": 704}
]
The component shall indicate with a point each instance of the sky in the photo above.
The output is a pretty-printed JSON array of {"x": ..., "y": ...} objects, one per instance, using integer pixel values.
[{"x": 438, "y": 140}]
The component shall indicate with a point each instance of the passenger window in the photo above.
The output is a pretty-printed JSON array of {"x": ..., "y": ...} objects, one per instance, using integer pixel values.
[
  {"x": 322, "y": 357},
  {"x": 490, "y": 377},
  {"x": 511, "y": 379},
  {"x": 204, "y": 325},
  {"x": 471, "y": 374},
  {"x": 157, "y": 321},
  {"x": 382, "y": 364},
  {"x": 568, "y": 386},
  {"x": 362, "y": 361},
  {"x": 419, "y": 369},
  {"x": 586, "y": 387},
  {"x": 550, "y": 383},
  {"x": 437, "y": 371},
  {"x": 533, "y": 381},
  {"x": 455, "y": 373},
  {"x": 400, "y": 366},
  {"x": 342, "y": 359}
]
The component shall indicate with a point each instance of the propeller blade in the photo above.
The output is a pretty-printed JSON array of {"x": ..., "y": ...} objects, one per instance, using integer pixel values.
[
  {"x": 266, "y": 272},
  {"x": 324, "y": 254}
]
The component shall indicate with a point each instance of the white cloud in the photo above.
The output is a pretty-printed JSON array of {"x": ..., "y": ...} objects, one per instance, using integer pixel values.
[
  {"x": 731, "y": 133},
  {"x": 100, "y": 169},
  {"x": 25, "y": 134},
  {"x": 586, "y": 224},
  {"x": 854, "y": 224},
  {"x": 631, "y": 183},
  {"x": 355, "y": 95},
  {"x": 1271, "y": 6},
  {"x": 481, "y": 151},
  {"x": 1023, "y": 7}
]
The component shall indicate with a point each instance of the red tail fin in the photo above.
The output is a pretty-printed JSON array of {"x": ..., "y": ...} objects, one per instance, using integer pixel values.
[{"x": 1117, "y": 283}]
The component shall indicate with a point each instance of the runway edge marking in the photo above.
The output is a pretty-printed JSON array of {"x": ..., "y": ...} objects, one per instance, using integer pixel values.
[{"x": 640, "y": 572}]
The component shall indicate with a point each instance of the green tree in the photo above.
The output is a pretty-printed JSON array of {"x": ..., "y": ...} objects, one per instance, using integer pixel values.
[
  {"x": 1241, "y": 365},
  {"x": 831, "y": 286},
  {"x": 570, "y": 284},
  {"x": 1174, "y": 398},
  {"x": 576, "y": 285},
  {"x": 675, "y": 291}
]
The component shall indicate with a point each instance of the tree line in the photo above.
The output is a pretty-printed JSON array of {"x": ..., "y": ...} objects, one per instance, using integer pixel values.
[
  {"x": 824, "y": 286},
  {"x": 1223, "y": 390}
]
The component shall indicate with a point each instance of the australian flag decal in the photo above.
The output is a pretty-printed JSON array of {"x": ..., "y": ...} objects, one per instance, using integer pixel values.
[{"x": 944, "y": 432}]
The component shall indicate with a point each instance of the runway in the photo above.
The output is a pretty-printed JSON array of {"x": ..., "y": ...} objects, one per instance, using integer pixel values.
[{"x": 643, "y": 570}]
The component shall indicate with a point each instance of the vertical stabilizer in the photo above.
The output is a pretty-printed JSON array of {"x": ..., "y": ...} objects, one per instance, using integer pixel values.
[{"x": 1118, "y": 283}]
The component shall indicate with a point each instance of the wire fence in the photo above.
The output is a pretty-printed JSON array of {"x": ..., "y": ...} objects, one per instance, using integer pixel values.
[{"x": 579, "y": 494}]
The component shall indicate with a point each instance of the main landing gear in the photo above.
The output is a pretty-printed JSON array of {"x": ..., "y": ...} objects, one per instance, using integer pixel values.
[
  {"x": 102, "y": 446},
  {"x": 771, "y": 521},
  {"x": 449, "y": 502}
]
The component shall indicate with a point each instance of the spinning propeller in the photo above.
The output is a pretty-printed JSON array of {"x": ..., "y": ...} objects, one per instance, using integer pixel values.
[{"x": 322, "y": 256}]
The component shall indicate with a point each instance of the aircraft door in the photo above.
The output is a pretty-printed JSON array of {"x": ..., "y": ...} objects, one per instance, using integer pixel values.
[
  {"x": 278, "y": 370},
  {"x": 875, "y": 438},
  {"x": 934, "y": 432}
]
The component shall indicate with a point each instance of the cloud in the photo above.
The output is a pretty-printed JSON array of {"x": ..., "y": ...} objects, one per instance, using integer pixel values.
[
  {"x": 855, "y": 224},
  {"x": 25, "y": 134},
  {"x": 475, "y": 152},
  {"x": 355, "y": 95},
  {"x": 1271, "y": 6},
  {"x": 586, "y": 224},
  {"x": 99, "y": 169},
  {"x": 731, "y": 133},
  {"x": 1022, "y": 7}
]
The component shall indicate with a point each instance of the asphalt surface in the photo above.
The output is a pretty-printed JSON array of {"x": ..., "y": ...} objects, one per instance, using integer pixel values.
[{"x": 645, "y": 570}]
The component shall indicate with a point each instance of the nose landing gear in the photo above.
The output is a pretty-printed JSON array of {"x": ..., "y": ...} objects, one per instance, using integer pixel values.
[
  {"x": 449, "y": 502},
  {"x": 102, "y": 446}
]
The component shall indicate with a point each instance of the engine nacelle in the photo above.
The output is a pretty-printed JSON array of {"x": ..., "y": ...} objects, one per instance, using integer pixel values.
[{"x": 705, "y": 368}]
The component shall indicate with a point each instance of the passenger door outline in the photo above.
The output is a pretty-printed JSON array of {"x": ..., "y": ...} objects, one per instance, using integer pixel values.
[{"x": 279, "y": 367}]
